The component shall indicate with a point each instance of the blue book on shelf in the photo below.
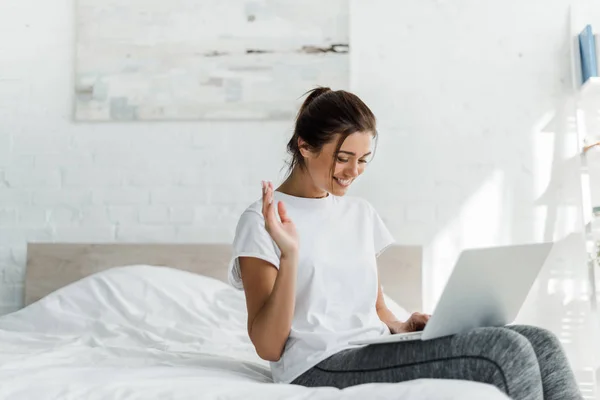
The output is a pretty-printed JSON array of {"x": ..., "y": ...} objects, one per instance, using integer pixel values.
[{"x": 587, "y": 48}]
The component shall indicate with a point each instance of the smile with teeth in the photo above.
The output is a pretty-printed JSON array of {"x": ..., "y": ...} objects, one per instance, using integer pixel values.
[{"x": 343, "y": 182}]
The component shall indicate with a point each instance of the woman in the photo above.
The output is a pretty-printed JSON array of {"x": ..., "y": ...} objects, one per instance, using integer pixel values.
[{"x": 305, "y": 255}]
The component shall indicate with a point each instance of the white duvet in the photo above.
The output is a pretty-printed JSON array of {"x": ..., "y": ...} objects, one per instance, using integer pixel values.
[{"x": 142, "y": 332}]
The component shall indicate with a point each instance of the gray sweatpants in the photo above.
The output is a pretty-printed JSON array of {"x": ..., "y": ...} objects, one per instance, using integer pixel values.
[{"x": 525, "y": 362}]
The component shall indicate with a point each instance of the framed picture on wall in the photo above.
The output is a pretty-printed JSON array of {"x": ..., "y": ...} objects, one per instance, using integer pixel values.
[{"x": 144, "y": 60}]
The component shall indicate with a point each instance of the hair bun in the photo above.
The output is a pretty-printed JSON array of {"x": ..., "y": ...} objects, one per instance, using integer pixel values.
[{"x": 312, "y": 95}]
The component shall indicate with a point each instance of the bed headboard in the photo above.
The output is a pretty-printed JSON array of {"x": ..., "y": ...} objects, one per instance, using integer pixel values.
[{"x": 51, "y": 266}]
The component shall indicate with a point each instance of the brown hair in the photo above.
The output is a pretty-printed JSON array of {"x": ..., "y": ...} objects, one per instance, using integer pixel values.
[{"x": 324, "y": 114}]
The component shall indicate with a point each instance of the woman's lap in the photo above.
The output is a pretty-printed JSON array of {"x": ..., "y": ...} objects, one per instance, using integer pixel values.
[{"x": 504, "y": 357}]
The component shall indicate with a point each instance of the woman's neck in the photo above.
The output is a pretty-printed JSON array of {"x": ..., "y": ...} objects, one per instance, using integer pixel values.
[{"x": 300, "y": 184}]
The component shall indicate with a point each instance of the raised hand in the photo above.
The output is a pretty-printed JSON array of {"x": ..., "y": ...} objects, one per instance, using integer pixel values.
[{"x": 281, "y": 229}]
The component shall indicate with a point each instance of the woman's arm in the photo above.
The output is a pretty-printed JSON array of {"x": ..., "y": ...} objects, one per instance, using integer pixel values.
[
  {"x": 270, "y": 299},
  {"x": 416, "y": 322},
  {"x": 384, "y": 313},
  {"x": 270, "y": 292}
]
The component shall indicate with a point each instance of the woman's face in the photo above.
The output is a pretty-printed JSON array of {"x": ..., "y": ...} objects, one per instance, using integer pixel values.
[{"x": 350, "y": 162}]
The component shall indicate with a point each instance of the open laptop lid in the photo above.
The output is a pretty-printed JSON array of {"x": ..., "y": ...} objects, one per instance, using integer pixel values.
[{"x": 487, "y": 288}]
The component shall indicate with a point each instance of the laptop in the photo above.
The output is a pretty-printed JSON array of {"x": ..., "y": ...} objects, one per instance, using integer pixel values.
[{"x": 486, "y": 289}]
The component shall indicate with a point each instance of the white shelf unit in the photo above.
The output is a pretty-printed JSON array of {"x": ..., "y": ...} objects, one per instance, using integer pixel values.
[
  {"x": 586, "y": 101},
  {"x": 586, "y": 110}
]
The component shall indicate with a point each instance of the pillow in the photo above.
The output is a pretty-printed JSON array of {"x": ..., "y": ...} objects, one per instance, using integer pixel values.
[{"x": 143, "y": 306}]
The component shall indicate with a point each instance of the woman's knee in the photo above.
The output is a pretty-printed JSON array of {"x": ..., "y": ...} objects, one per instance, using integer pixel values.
[
  {"x": 510, "y": 357},
  {"x": 501, "y": 345},
  {"x": 536, "y": 334}
]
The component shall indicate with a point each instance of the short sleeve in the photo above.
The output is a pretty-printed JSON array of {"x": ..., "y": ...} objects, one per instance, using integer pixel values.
[
  {"x": 251, "y": 240},
  {"x": 382, "y": 237}
]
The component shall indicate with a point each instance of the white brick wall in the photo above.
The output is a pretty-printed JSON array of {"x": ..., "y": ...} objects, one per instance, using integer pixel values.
[
  {"x": 462, "y": 90},
  {"x": 458, "y": 95}
]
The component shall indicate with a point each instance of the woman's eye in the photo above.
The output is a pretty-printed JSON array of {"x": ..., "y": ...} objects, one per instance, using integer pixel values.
[
  {"x": 342, "y": 159},
  {"x": 363, "y": 161}
]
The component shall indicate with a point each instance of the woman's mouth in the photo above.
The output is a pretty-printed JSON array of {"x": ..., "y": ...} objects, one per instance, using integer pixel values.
[{"x": 343, "y": 182}]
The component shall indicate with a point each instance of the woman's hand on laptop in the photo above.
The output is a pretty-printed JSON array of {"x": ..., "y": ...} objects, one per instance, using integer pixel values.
[{"x": 415, "y": 323}]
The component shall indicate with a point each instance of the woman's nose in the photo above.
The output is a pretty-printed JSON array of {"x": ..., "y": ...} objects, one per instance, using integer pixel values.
[{"x": 353, "y": 170}]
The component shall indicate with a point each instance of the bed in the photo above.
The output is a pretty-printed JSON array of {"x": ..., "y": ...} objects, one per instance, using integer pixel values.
[{"x": 158, "y": 321}]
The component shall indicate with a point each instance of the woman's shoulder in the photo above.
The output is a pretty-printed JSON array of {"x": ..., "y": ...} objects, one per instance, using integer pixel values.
[
  {"x": 252, "y": 213},
  {"x": 254, "y": 207},
  {"x": 251, "y": 218}
]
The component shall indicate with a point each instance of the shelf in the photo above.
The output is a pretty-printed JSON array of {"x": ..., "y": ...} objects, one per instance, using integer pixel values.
[{"x": 590, "y": 90}]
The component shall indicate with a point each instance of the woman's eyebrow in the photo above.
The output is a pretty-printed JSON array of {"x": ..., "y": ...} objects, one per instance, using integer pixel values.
[{"x": 353, "y": 154}]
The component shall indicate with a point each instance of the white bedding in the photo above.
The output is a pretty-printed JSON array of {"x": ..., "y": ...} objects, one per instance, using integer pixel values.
[{"x": 142, "y": 332}]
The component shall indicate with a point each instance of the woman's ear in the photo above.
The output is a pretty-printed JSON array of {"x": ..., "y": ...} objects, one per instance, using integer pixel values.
[{"x": 304, "y": 148}]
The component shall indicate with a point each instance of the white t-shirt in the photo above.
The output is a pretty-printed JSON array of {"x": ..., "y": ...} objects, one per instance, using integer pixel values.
[{"x": 336, "y": 286}]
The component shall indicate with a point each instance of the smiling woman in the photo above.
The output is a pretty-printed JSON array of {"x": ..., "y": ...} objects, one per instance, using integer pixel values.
[
  {"x": 306, "y": 256},
  {"x": 332, "y": 141}
]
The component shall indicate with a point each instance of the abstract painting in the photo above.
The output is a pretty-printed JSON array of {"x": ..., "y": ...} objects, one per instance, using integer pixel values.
[{"x": 141, "y": 60}]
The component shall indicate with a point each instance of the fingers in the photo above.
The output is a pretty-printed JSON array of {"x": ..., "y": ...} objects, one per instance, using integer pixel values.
[
  {"x": 264, "y": 195},
  {"x": 419, "y": 325},
  {"x": 270, "y": 207},
  {"x": 267, "y": 204},
  {"x": 265, "y": 198},
  {"x": 267, "y": 193},
  {"x": 282, "y": 212},
  {"x": 418, "y": 321}
]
